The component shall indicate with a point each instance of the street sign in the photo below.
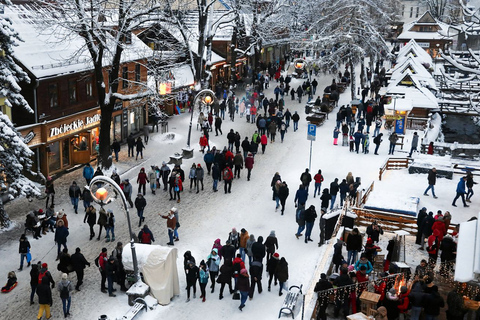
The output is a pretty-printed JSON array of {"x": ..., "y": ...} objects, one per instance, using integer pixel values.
[{"x": 312, "y": 132}]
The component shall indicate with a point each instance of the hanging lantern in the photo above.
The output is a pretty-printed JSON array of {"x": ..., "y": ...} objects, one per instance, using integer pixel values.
[
  {"x": 101, "y": 194},
  {"x": 165, "y": 88}
]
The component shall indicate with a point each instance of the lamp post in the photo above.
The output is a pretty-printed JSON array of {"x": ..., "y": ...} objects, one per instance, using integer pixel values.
[
  {"x": 302, "y": 63},
  {"x": 206, "y": 97},
  {"x": 100, "y": 196}
]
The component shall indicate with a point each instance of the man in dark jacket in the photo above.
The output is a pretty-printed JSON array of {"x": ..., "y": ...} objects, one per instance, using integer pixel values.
[
  {"x": 91, "y": 219},
  {"x": 354, "y": 246},
  {"x": 115, "y": 148},
  {"x": 140, "y": 204},
  {"x": 258, "y": 250},
  {"x": 334, "y": 188},
  {"x": 306, "y": 178},
  {"x": 323, "y": 299},
  {"x": 74, "y": 193},
  {"x": 283, "y": 193},
  {"x": 422, "y": 214},
  {"x": 432, "y": 179},
  {"x": 23, "y": 249},
  {"x": 256, "y": 270},
  {"x": 426, "y": 229},
  {"x": 79, "y": 263},
  {"x": 310, "y": 216},
  {"x": 377, "y": 140},
  {"x": 227, "y": 251},
  {"x": 432, "y": 303},
  {"x": 44, "y": 298},
  {"x": 61, "y": 234},
  {"x": 111, "y": 270},
  {"x": 131, "y": 144}
]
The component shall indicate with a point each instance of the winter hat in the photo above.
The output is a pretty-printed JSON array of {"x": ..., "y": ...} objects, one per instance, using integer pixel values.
[
  {"x": 323, "y": 276},
  {"x": 61, "y": 214},
  {"x": 199, "y": 165},
  {"x": 64, "y": 276},
  {"x": 44, "y": 265},
  {"x": 403, "y": 289},
  {"x": 40, "y": 211},
  {"x": 126, "y": 180},
  {"x": 22, "y": 237},
  {"x": 234, "y": 230},
  {"x": 369, "y": 241},
  {"x": 104, "y": 249},
  {"x": 276, "y": 255},
  {"x": 174, "y": 209},
  {"x": 272, "y": 233},
  {"x": 243, "y": 230},
  {"x": 243, "y": 271}
]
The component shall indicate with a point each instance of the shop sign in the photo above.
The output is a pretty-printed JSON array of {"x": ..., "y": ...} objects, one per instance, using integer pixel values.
[
  {"x": 74, "y": 126},
  {"x": 424, "y": 44},
  {"x": 29, "y": 137}
]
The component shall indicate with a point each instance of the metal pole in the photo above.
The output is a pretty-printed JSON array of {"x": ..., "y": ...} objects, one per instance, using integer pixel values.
[
  {"x": 190, "y": 127},
  {"x": 124, "y": 201},
  {"x": 310, "y": 161}
]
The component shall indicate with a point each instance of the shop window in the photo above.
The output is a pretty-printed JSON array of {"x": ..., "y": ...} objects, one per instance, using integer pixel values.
[
  {"x": 80, "y": 142},
  {"x": 116, "y": 132},
  {"x": 137, "y": 73},
  {"x": 418, "y": 11},
  {"x": 66, "y": 152},
  {"x": 53, "y": 154},
  {"x": 95, "y": 140},
  {"x": 125, "y": 77},
  {"x": 72, "y": 91},
  {"x": 403, "y": 10},
  {"x": 89, "y": 87},
  {"x": 53, "y": 95}
]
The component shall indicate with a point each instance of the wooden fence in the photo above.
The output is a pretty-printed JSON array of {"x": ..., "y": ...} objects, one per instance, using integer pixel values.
[{"x": 394, "y": 164}]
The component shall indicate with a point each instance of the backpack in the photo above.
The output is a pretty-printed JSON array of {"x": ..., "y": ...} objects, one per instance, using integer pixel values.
[
  {"x": 41, "y": 275},
  {"x": 146, "y": 238},
  {"x": 97, "y": 262},
  {"x": 64, "y": 293}
]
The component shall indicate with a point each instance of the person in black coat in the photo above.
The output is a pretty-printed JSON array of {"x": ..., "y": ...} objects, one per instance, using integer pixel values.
[
  {"x": 337, "y": 258},
  {"x": 448, "y": 255},
  {"x": 111, "y": 271},
  {"x": 377, "y": 140},
  {"x": 115, "y": 148},
  {"x": 283, "y": 193},
  {"x": 258, "y": 250},
  {"x": 228, "y": 251},
  {"x": 456, "y": 306},
  {"x": 79, "y": 263},
  {"x": 323, "y": 299},
  {"x": 192, "y": 276},
  {"x": 225, "y": 277},
  {"x": 426, "y": 229},
  {"x": 23, "y": 249},
  {"x": 342, "y": 299},
  {"x": 310, "y": 216},
  {"x": 281, "y": 271},
  {"x": 34, "y": 280},
  {"x": 256, "y": 270},
  {"x": 374, "y": 231},
  {"x": 416, "y": 298},
  {"x": 187, "y": 257},
  {"x": 433, "y": 302},
  {"x": 215, "y": 176},
  {"x": 354, "y": 246},
  {"x": 91, "y": 219},
  {"x": 271, "y": 244},
  {"x": 131, "y": 144},
  {"x": 44, "y": 294},
  {"x": 422, "y": 214},
  {"x": 325, "y": 198},
  {"x": 271, "y": 267}
]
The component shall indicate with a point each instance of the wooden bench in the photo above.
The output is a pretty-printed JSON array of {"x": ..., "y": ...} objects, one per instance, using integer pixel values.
[
  {"x": 135, "y": 309},
  {"x": 290, "y": 300}
]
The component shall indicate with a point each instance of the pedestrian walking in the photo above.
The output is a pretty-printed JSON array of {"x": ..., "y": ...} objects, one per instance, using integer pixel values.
[
  {"x": 227, "y": 177},
  {"x": 460, "y": 192},
  {"x": 50, "y": 190},
  {"x": 295, "y": 119},
  {"x": 203, "y": 279},
  {"x": 192, "y": 274},
  {"x": 153, "y": 179},
  {"x": 44, "y": 298},
  {"x": 469, "y": 185},
  {"x": 377, "y": 141},
  {"x": 88, "y": 173},
  {"x": 61, "y": 234},
  {"x": 213, "y": 264},
  {"x": 393, "y": 142},
  {"x": 34, "y": 273},
  {"x": 127, "y": 191},
  {"x": 140, "y": 204},
  {"x": 142, "y": 180},
  {"x": 130, "y": 144},
  {"x": 74, "y": 193},
  {"x": 414, "y": 144},
  {"x": 281, "y": 272},
  {"x": 65, "y": 287},
  {"x": 91, "y": 219},
  {"x": 310, "y": 216},
  {"x": 318, "y": 178},
  {"x": 110, "y": 226},
  {"x": 79, "y": 263},
  {"x": 139, "y": 146},
  {"x": 24, "y": 250},
  {"x": 243, "y": 286},
  {"x": 115, "y": 148},
  {"x": 432, "y": 179}
]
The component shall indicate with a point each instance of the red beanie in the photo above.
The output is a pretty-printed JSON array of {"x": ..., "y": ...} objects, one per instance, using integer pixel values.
[{"x": 44, "y": 265}]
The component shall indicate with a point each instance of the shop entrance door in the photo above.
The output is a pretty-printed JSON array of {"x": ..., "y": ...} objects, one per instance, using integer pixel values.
[{"x": 81, "y": 149}]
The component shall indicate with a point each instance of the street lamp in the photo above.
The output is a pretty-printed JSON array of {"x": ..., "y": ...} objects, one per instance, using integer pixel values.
[
  {"x": 206, "y": 97},
  {"x": 100, "y": 196},
  {"x": 302, "y": 63}
]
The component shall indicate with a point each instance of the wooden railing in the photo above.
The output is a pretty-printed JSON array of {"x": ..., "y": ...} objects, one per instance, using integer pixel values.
[{"x": 393, "y": 164}]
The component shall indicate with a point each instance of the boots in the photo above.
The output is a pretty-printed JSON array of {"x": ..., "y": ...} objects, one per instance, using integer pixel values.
[
  {"x": 113, "y": 238},
  {"x": 108, "y": 238}
]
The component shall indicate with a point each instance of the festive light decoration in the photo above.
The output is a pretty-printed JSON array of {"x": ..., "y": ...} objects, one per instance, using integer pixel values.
[{"x": 101, "y": 194}]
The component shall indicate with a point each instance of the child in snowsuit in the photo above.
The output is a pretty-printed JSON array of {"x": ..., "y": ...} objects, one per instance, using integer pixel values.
[{"x": 11, "y": 282}]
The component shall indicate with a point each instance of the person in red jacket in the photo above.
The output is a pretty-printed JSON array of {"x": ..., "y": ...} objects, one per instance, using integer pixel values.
[
  {"x": 264, "y": 141},
  {"x": 318, "y": 178},
  {"x": 432, "y": 249},
  {"x": 403, "y": 302},
  {"x": 142, "y": 180},
  {"x": 440, "y": 226},
  {"x": 238, "y": 265},
  {"x": 204, "y": 143},
  {"x": 102, "y": 262},
  {"x": 227, "y": 176},
  {"x": 249, "y": 161}
]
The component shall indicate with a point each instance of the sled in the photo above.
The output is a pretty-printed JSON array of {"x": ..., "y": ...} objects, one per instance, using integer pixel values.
[{"x": 4, "y": 290}]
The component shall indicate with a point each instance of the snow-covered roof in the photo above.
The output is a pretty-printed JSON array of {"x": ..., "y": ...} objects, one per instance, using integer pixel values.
[
  {"x": 412, "y": 48},
  {"x": 427, "y": 20},
  {"x": 416, "y": 70},
  {"x": 48, "y": 51},
  {"x": 183, "y": 76},
  {"x": 400, "y": 105},
  {"x": 421, "y": 97}
]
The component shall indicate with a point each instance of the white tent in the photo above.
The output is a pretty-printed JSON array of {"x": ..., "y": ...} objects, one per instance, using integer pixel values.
[
  {"x": 159, "y": 268},
  {"x": 467, "y": 266}
]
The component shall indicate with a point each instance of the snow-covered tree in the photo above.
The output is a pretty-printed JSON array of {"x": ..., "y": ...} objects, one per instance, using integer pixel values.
[
  {"x": 444, "y": 10},
  {"x": 15, "y": 155},
  {"x": 347, "y": 31},
  {"x": 10, "y": 73},
  {"x": 106, "y": 28}
]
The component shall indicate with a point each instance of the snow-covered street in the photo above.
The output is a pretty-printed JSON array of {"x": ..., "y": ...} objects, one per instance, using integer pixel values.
[{"x": 207, "y": 216}]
